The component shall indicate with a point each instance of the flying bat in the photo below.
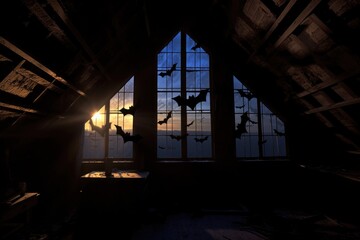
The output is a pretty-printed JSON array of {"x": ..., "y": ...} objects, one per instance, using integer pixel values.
[
  {"x": 165, "y": 119},
  {"x": 197, "y": 45},
  {"x": 192, "y": 101},
  {"x": 130, "y": 111},
  {"x": 168, "y": 72},
  {"x": 99, "y": 130},
  {"x": 189, "y": 124},
  {"x": 178, "y": 137},
  {"x": 247, "y": 95},
  {"x": 161, "y": 147},
  {"x": 241, "y": 127},
  {"x": 240, "y": 107},
  {"x": 279, "y": 133},
  {"x": 201, "y": 140},
  {"x": 126, "y": 136}
]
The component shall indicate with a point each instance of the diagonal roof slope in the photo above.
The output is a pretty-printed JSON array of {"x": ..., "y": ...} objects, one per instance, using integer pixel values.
[{"x": 60, "y": 57}]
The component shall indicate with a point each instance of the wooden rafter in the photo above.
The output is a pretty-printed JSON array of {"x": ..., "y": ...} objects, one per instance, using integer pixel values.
[
  {"x": 28, "y": 58},
  {"x": 47, "y": 21},
  {"x": 275, "y": 25},
  {"x": 333, "y": 106},
  {"x": 327, "y": 84},
  {"x": 306, "y": 12},
  {"x": 19, "y": 108}
]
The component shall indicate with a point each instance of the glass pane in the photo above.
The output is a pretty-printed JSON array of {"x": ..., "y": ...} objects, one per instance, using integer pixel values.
[
  {"x": 170, "y": 100},
  {"x": 94, "y": 141},
  {"x": 247, "y": 141}
]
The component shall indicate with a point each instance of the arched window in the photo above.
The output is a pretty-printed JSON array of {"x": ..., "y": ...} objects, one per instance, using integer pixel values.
[
  {"x": 259, "y": 133},
  {"x": 184, "y": 124},
  {"x": 100, "y": 136}
]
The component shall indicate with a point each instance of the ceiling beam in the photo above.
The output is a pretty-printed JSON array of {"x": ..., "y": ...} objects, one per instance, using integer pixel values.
[
  {"x": 48, "y": 22},
  {"x": 327, "y": 84},
  {"x": 19, "y": 108},
  {"x": 274, "y": 25},
  {"x": 333, "y": 106},
  {"x": 28, "y": 58},
  {"x": 306, "y": 12}
]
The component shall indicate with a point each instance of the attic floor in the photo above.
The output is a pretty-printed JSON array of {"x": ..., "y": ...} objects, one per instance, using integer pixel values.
[{"x": 179, "y": 223}]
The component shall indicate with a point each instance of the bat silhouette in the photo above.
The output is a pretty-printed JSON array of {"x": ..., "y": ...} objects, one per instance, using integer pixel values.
[
  {"x": 201, "y": 140},
  {"x": 247, "y": 95},
  {"x": 130, "y": 111},
  {"x": 240, "y": 107},
  {"x": 168, "y": 72},
  {"x": 99, "y": 130},
  {"x": 241, "y": 127},
  {"x": 161, "y": 147},
  {"x": 165, "y": 119},
  {"x": 197, "y": 45},
  {"x": 279, "y": 133},
  {"x": 192, "y": 101},
  {"x": 178, "y": 137},
  {"x": 126, "y": 136},
  {"x": 188, "y": 125}
]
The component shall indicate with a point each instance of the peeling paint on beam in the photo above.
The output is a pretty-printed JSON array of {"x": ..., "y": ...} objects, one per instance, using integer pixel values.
[{"x": 27, "y": 57}]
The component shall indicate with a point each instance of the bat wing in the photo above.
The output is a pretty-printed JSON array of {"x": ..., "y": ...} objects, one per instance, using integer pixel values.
[
  {"x": 173, "y": 68},
  {"x": 202, "y": 95},
  {"x": 247, "y": 95},
  {"x": 193, "y": 101},
  {"x": 191, "y": 123},
  {"x": 124, "y": 111},
  {"x": 179, "y": 100},
  {"x": 99, "y": 130},
  {"x": 165, "y": 119},
  {"x": 240, "y": 129},
  {"x": 161, "y": 122},
  {"x": 162, "y": 74},
  {"x": 174, "y": 137},
  {"x": 126, "y": 136},
  {"x": 201, "y": 140},
  {"x": 178, "y": 138},
  {"x": 119, "y": 130}
]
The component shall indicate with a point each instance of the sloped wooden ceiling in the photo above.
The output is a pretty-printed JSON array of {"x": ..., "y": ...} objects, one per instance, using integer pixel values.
[{"x": 60, "y": 57}]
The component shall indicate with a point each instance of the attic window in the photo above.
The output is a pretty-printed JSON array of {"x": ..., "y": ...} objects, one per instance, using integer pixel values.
[
  {"x": 184, "y": 128},
  {"x": 101, "y": 140},
  {"x": 259, "y": 133}
]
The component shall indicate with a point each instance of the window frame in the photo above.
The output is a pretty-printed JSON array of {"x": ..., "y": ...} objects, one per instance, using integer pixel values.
[
  {"x": 183, "y": 111},
  {"x": 106, "y": 139}
]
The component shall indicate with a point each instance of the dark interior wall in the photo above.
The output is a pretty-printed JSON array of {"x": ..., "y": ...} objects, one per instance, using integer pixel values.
[
  {"x": 48, "y": 160},
  {"x": 310, "y": 143},
  {"x": 257, "y": 186}
]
